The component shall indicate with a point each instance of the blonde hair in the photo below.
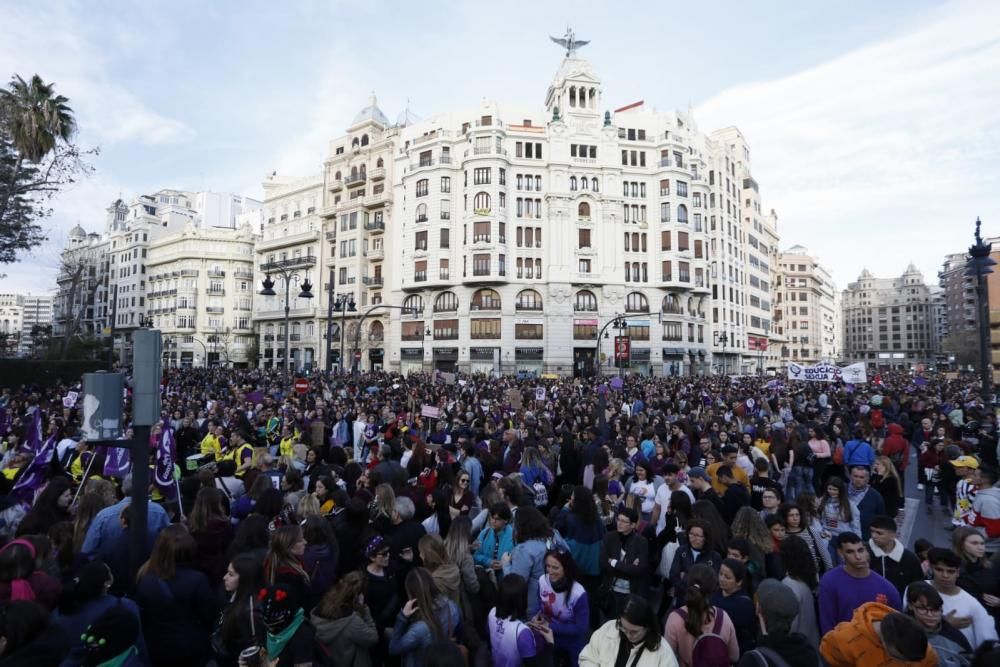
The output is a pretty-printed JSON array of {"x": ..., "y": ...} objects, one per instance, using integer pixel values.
[
  {"x": 308, "y": 506},
  {"x": 890, "y": 470},
  {"x": 616, "y": 468}
]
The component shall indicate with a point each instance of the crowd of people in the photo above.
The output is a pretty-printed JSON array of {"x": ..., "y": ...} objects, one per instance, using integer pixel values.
[{"x": 440, "y": 520}]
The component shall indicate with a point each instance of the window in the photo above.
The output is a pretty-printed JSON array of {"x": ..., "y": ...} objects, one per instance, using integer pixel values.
[
  {"x": 484, "y": 328},
  {"x": 682, "y": 241},
  {"x": 584, "y": 331},
  {"x": 445, "y": 184},
  {"x": 503, "y": 176},
  {"x": 481, "y": 176},
  {"x": 673, "y": 331},
  {"x": 584, "y": 240},
  {"x": 422, "y": 213},
  {"x": 486, "y": 299},
  {"x": 528, "y": 331},
  {"x": 414, "y": 304},
  {"x": 481, "y": 203},
  {"x": 682, "y": 189},
  {"x": 682, "y": 214},
  {"x": 528, "y": 299},
  {"x": 420, "y": 240},
  {"x": 583, "y": 210},
  {"x": 445, "y": 329},
  {"x": 445, "y": 239},
  {"x": 445, "y": 209},
  {"x": 584, "y": 266},
  {"x": 446, "y": 302},
  {"x": 422, "y": 187},
  {"x": 636, "y": 302},
  {"x": 667, "y": 274},
  {"x": 443, "y": 271},
  {"x": 481, "y": 232},
  {"x": 585, "y": 301},
  {"x": 572, "y": 183},
  {"x": 481, "y": 264}
]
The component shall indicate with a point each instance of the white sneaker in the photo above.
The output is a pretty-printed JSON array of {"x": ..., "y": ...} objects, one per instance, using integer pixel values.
[{"x": 920, "y": 487}]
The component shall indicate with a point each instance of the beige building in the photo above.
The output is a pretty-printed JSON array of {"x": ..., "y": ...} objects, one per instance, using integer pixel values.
[
  {"x": 200, "y": 295},
  {"x": 806, "y": 308},
  {"x": 889, "y": 322}
]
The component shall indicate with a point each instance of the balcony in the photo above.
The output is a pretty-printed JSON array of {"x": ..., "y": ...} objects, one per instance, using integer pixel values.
[
  {"x": 419, "y": 276},
  {"x": 268, "y": 338},
  {"x": 295, "y": 337},
  {"x": 216, "y": 291},
  {"x": 422, "y": 164},
  {"x": 216, "y": 273},
  {"x": 412, "y": 337},
  {"x": 331, "y": 235},
  {"x": 278, "y": 241},
  {"x": 189, "y": 273},
  {"x": 481, "y": 238},
  {"x": 375, "y": 253},
  {"x": 336, "y": 185},
  {"x": 377, "y": 174},
  {"x": 185, "y": 325},
  {"x": 421, "y": 218},
  {"x": 523, "y": 307},
  {"x": 375, "y": 226},
  {"x": 372, "y": 281},
  {"x": 215, "y": 310},
  {"x": 243, "y": 274},
  {"x": 288, "y": 264},
  {"x": 378, "y": 199},
  {"x": 489, "y": 307},
  {"x": 349, "y": 280},
  {"x": 354, "y": 181},
  {"x": 444, "y": 274}
]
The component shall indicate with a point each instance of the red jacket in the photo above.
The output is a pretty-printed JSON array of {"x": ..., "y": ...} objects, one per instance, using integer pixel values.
[
  {"x": 933, "y": 458},
  {"x": 896, "y": 447}
]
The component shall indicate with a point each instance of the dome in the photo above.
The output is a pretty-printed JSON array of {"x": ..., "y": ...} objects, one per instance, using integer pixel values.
[
  {"x": 78, "y": 231},
  {"x": 371, "y": 112}
]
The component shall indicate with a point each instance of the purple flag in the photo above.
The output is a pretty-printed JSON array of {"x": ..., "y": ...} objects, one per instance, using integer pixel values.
[
  {"x": 35, "y": 474},
  {"x": 117, "y": 462},
  {"x": 3, "y": 422},
  {"x": 163, "y": 469},
  {"x": 33, "y": 436},
  {"x": 920, "y": 381},
  {"x": 255, "y": 397}
]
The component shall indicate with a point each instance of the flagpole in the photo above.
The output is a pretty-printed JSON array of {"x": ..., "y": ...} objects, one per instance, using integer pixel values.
[
  {"x": 180, "y": 503},
  {"x": 86, "y": 476}
]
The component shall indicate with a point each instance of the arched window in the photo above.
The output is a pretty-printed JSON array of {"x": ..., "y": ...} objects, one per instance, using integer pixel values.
[
  {"x": 636, "y": 302},
  {"x": 354, "y": 173},
  {"x": 379, "y": 163},
  {"x": 528, "y": 299},
  {"x": 635, "y": 241},
  {"x": 337, "y": 176},
  {"x": 672, "y": 304},
  {"x": 572, "y": 183},
  {"x": 486, "y": 299},
  {"x": 583, "y": 210},
  {"x": 593, "y": 185},
  {"x": 445, "y": 302},
  {"x": 585, "y": 301},
  {"x": 363, "y": 171},
  {"x": 682, "y": 213},
  {"x": 414, "y": 304},
  {"x": 376, "y": 332},
  {"x": 354, "y": 144},
  {"x": 364, "y": 139},
  {"x": 422, "y": 213},
  {"x": 481, "y": 202},
  {"x": 584, "y": 183}
]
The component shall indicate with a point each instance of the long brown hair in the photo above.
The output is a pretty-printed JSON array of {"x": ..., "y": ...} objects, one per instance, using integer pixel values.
[
  {"x": 89, "y": 506},
  {"x": 342, "y": 600},
  {"x": 420, "y": 587},
  {"x": 208, "y": 505},
  {"x": 279, "y": 554},
  {"x": 702, "y": 582},
  {"x": 174, "y": 546}
]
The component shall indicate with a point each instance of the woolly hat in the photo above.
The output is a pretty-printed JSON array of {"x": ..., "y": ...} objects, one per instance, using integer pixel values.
[{"x": 778, "y": 599}]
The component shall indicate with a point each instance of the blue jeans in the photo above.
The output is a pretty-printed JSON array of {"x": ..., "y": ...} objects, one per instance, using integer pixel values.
[{"x": 799, "y": 480}]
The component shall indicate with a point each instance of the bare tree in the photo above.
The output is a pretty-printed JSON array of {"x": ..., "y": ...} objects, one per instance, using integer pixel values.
[{"x": 78, "y": 286}]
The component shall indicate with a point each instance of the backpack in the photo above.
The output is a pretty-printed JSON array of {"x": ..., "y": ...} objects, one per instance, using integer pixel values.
[{"x": 710, "y": 649}]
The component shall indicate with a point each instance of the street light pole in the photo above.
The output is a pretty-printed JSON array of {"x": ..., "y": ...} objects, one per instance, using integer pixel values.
[
  {"x": 980, "y": 265},
  {"x": 357, "y": 333},
  {"x": 286, "y": 269}
]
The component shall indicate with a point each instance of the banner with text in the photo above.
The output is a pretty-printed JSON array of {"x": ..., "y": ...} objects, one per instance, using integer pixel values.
[{"x": 853, "y": 374}]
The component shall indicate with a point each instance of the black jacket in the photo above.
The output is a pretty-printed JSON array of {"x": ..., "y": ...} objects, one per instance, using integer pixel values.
[
  {"x": 900, "y": 574},
  {"x": 684, "y": 559},
  {"x": 735, "y": 498},
  {"x": 625, "y": 566},
  {"x": 794, "y": 649}
]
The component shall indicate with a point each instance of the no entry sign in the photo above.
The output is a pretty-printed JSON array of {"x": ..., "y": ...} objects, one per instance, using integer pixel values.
[{"x": 301, "y": 385}]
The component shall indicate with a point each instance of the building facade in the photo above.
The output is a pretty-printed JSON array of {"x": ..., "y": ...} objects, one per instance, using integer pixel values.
[
  {"x": 11, "y": 319},
  {"x": 36, "y": 324},
  {"x": 200, "y": 286},
  {"x": 82, "y": 300},
  {"x": 806, "y": 310},
  {"x": 889, "y": 322},
  {"x": 519, "y": 235},
  {"x": 959, "y": 294}
]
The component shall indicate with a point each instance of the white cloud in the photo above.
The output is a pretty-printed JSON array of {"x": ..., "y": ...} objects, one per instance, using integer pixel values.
[
  {"x": 79, "y": 56},
  {"x": 885, "y": 154}
]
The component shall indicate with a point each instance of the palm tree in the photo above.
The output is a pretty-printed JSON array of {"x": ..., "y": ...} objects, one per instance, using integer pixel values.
[{"x": 35, "y": 119}]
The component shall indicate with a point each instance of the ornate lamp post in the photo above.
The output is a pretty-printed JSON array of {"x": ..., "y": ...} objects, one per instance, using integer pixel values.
[
  {"x": 980, "y": 265},
  {"x": 722, "y": 338},
  {"x": 287, "y": 271}
]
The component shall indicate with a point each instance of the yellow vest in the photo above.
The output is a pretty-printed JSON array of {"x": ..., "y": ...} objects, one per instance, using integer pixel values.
[{"x": 210, "y": 445}]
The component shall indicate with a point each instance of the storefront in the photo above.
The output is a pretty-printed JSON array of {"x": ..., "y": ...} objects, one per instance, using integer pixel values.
[
  {"x": 446, "y": 359},
  {"x": 529, "y": 360},
  {"x": 411, "y": 360},
  {"x": 639, "y": 361},
  {"x": 484, "y": 360},
  {"x": 376, "y": 359},
  {"x": 673, "y": 361}
]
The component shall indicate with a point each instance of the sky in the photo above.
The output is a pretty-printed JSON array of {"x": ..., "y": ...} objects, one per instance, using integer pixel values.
[{"x": 874, "y": 127}]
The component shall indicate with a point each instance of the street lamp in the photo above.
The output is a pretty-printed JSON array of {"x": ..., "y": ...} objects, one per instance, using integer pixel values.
[
  {"x": 406, "y": 310},
  {"x": 722, "y": 338},
  {"x": 288, "y": 274},
  {"x": 980, "y": 265},
  {"x": 344, "y": 303}
]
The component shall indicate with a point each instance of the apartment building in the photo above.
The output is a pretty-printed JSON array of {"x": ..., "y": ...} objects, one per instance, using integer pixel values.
[
  {"x": 11, "y": 316},
  {"x": 889, "y": 322},
  {"x": 805, "y": 310},
  {"x": 200, "y": 286},
  {"x": 37, "y": 318}
]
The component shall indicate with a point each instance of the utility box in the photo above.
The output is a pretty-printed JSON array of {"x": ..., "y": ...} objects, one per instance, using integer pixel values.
[
  {"x": 147, "y": 372},
  {"x": 102, "y": 405}
]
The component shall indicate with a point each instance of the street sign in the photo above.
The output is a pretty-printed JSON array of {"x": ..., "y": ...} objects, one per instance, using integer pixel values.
[
  {"x": 301, "y": 385},
  {"x": 622, "y": 345},
  {"x": 357, "y": 355}
]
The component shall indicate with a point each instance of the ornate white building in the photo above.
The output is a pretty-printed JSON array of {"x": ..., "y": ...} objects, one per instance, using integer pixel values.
[
  {"x": 806, "y": 309},
  {"x": 200, "y": 286},
  {"x": 518, "y": 234}
]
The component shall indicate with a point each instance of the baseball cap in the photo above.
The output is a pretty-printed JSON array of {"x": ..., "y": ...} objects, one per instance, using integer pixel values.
[
  {"x": 966, "y": 462},
  {"x": 698, "y": 472},
  {"x": 777, "y": 598}
]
